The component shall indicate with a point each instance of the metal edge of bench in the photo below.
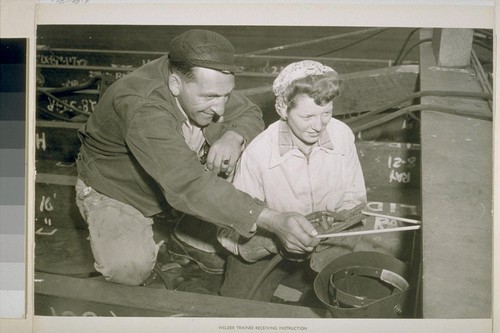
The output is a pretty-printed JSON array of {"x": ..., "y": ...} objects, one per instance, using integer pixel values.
[{"x": 163, "y": 300}]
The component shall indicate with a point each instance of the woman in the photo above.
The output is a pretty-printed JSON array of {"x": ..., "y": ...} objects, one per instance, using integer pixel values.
[{"x": 304, "y": 162}]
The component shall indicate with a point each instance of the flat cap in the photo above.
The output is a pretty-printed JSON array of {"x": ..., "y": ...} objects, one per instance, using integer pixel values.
[{"x": 204, "y": 48}]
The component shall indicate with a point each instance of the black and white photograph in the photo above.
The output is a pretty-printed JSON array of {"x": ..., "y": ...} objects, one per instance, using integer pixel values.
[{"x": 263, "y": 171}]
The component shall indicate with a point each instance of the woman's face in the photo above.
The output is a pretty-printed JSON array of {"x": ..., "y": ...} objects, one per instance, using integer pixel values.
[{"x": 307, "y": 119}]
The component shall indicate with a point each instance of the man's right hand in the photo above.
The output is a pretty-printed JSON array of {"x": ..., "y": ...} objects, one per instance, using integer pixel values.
[{"x": 294, "y": 231}]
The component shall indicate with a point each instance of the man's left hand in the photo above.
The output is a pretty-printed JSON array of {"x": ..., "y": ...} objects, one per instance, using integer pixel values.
[{"x": 225, "y": 152}]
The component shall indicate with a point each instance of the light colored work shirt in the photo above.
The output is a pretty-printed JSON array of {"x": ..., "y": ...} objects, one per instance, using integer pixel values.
[
  {"x": 274, "y": 170},
  {"x": 193, "y": 135}
]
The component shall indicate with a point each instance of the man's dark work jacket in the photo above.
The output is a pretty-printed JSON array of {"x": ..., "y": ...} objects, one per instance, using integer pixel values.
[{"x": 133, "y": 151}]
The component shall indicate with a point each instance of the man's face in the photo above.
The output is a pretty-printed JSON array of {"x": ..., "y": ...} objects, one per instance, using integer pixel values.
[
  {"x": 206, "y": 95},
  {"x": 307, "y": 119}
]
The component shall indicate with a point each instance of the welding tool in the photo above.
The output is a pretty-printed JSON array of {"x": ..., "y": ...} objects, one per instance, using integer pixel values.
[
  {"x": 335, "y": 233},
  {"x": 334, "y": 221}
]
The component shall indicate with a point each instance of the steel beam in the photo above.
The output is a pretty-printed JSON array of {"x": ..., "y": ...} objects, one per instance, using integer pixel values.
[
  {"x": 62, "y": 295},
  {"x": 456, "y": 197}
]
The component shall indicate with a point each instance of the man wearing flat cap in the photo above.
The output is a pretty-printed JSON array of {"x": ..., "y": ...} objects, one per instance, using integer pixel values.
[{"x": 161, "y": 137}]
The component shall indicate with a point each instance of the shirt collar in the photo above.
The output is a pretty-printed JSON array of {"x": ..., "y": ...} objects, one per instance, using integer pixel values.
[
  {"x": 285, "y": 139},
  {"x": 186, "y": 120}
]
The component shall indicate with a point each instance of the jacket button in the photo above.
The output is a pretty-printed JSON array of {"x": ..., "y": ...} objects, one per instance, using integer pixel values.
[{"x": 251, "y": 212}]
